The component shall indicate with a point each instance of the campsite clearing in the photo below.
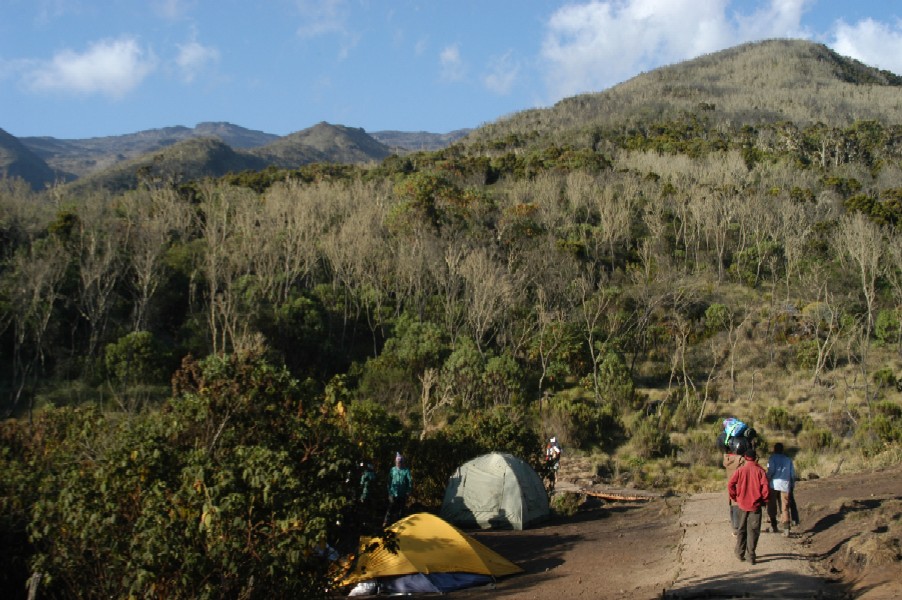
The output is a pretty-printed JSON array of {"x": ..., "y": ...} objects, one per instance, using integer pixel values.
[{"x": 681, "y": 548}]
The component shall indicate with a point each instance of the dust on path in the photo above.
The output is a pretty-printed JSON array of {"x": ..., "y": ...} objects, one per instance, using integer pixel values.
[{"x": 708, "y": 568}]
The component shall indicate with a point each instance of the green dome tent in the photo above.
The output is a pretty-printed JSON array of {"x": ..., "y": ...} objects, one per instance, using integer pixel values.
[{"x": 495, "y": 490}]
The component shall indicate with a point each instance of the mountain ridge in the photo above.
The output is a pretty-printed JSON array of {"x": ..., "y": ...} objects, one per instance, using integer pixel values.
[{"x": 763, "y": 82}]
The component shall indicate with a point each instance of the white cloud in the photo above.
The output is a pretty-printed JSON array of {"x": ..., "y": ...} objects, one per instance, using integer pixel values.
[
  {"x": 873, "y": 43},
  {"x": 592, "y": 45},
  {"x": 503, "y": 73},
  {"x": 173, "y": 10},
  {"x": 321, "y": 17},
  {"x": 193, "y": 57},
  {"x": 327, "y": 17},
  {"x": 779, "y": 18},
  {"x": 453, "y": 68},
  {"x": 109, "y": 67}
]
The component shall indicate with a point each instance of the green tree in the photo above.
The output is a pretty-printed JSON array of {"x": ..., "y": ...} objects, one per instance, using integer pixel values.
[{"x": 233, "y": 490}]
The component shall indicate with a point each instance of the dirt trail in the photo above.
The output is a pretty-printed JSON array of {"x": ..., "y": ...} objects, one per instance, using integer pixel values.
[
  {"x": 709, "y": 569},
  {"x": 672, "y": 548},
  {"x": 681, "y": 548}
]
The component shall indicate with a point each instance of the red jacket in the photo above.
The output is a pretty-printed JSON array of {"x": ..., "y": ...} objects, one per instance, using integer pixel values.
[{"x": 748, "y": 486}]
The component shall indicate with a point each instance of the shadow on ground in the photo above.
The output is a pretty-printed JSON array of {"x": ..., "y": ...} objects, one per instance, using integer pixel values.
[{"x": 773, "y": 585}]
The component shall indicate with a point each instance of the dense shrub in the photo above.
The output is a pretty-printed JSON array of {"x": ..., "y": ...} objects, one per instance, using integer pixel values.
[
  {"x": 232, "y": 490},
  {"x": 582, "y": 422},
  {"x": 816, "y": 439},
  {"x": 882, "y": 429},
  {"x": 649, "y": 435}
]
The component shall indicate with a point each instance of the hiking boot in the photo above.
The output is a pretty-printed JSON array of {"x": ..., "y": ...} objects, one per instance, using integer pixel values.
[{"x": 774, "y": 529}]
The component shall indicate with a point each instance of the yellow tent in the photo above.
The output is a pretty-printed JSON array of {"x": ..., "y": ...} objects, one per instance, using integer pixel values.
[{"x": 428, "y": 545}]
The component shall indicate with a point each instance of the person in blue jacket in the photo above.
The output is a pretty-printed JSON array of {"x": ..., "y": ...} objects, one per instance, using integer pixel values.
[
  {"x": 400, "y": 484},
  {"x": 781, "y": 477}
]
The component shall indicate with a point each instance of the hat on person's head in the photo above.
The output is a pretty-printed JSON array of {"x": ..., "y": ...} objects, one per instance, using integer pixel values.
[{"x": 398, "y": 457}]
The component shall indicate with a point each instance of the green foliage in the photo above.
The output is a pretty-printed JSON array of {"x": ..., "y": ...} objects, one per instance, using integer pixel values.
[
  {"x": 392, "y": 378},
  {"x": 806, "y": 353},
  {"x": 583, "y": 422},
  {"x": 499, "y": 429},
  {"x": 883, "y": 428},
  {"x": 617, "y": 387},
  {"x": 377, "y": 434},
  {"x": 462, "y": 374},
  {"x": 137, "y": 357},
  {"x": 566, "y": 504},
  {"x": 717, "y": 317},
  {"x": 503, "y": 381},
  {"x": 233, "y": 490},
  {"x": 886, "y": 379},
  {"x": 780, "y": 419},
  {"x": 816, "y": 439},
  {"x": 650, "y": 435},
  {"x": 888, "y": 326}
]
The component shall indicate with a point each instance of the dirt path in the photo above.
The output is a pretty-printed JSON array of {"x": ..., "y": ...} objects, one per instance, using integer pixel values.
[
  {"x": 672, "y": 548},
  {"x": 681, "y": 548},
  {"x": 709, "y": 569}
]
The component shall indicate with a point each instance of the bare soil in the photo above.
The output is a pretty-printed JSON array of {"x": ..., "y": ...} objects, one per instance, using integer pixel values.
[{"x": 848, "y": 546}]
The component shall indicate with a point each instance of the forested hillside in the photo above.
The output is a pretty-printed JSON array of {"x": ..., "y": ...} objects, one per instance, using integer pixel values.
[{"x": 192, "y": 372}]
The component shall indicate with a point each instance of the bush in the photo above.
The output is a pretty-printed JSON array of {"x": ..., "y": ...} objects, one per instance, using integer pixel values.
[
  {"x": 232, "y": 490},
  {"x": 806, "y": 354},
  {"x": 583, "y": 422},
  {"x": 888, "y": 326},
  {"x": 566, "y": 504},
  {"x": 884, "y": 428},
  {"x": 699, "y": 449},
  {"x": 780, "y": 419},
  {"x": 649, "y": 435},
  {"x": 816, "y": 439}
]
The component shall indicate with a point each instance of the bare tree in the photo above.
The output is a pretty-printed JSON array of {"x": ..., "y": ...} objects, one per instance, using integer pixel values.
[
  {"x": 154, "y": 218},
  {"x": 594, "y": 305},
  {"x": 32, "y": 284},
  {"x": 226, "y": 263},
  {"x": 861, "y": 240},
  {"x": 614, "y": 206},
  {"x": 99, "y": 241},
  {"x": 488, "y": 291},
  {"x": 822, "y": 319}
]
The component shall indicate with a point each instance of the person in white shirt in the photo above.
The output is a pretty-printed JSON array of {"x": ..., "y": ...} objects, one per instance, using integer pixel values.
[{"x": 781, "y": 478}]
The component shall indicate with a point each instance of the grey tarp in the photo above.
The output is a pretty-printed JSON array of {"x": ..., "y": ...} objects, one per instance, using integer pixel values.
[{"x": 495, "y": 490}]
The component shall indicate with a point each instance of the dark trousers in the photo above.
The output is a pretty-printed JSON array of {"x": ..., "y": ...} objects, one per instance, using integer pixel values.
[
  {"x": 748, "y": 532},
  {"x": 395, "y": 509}
]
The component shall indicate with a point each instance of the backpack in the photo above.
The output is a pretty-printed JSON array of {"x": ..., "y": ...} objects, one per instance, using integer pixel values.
[
  {"x": 737, "y": 437},
  {"x": 733, "y": 427},
  {"x": 739, "y": 445}
]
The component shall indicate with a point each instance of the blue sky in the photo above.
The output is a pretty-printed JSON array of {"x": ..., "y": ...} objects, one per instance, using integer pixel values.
[{"x": 84, "y": 68}]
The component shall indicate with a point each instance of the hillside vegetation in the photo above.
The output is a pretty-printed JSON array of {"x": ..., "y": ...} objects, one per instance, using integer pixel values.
[{"x": 194, "y": 369}]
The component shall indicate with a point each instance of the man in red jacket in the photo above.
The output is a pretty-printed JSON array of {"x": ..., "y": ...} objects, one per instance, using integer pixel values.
[{"x": 749, "y": 490}]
